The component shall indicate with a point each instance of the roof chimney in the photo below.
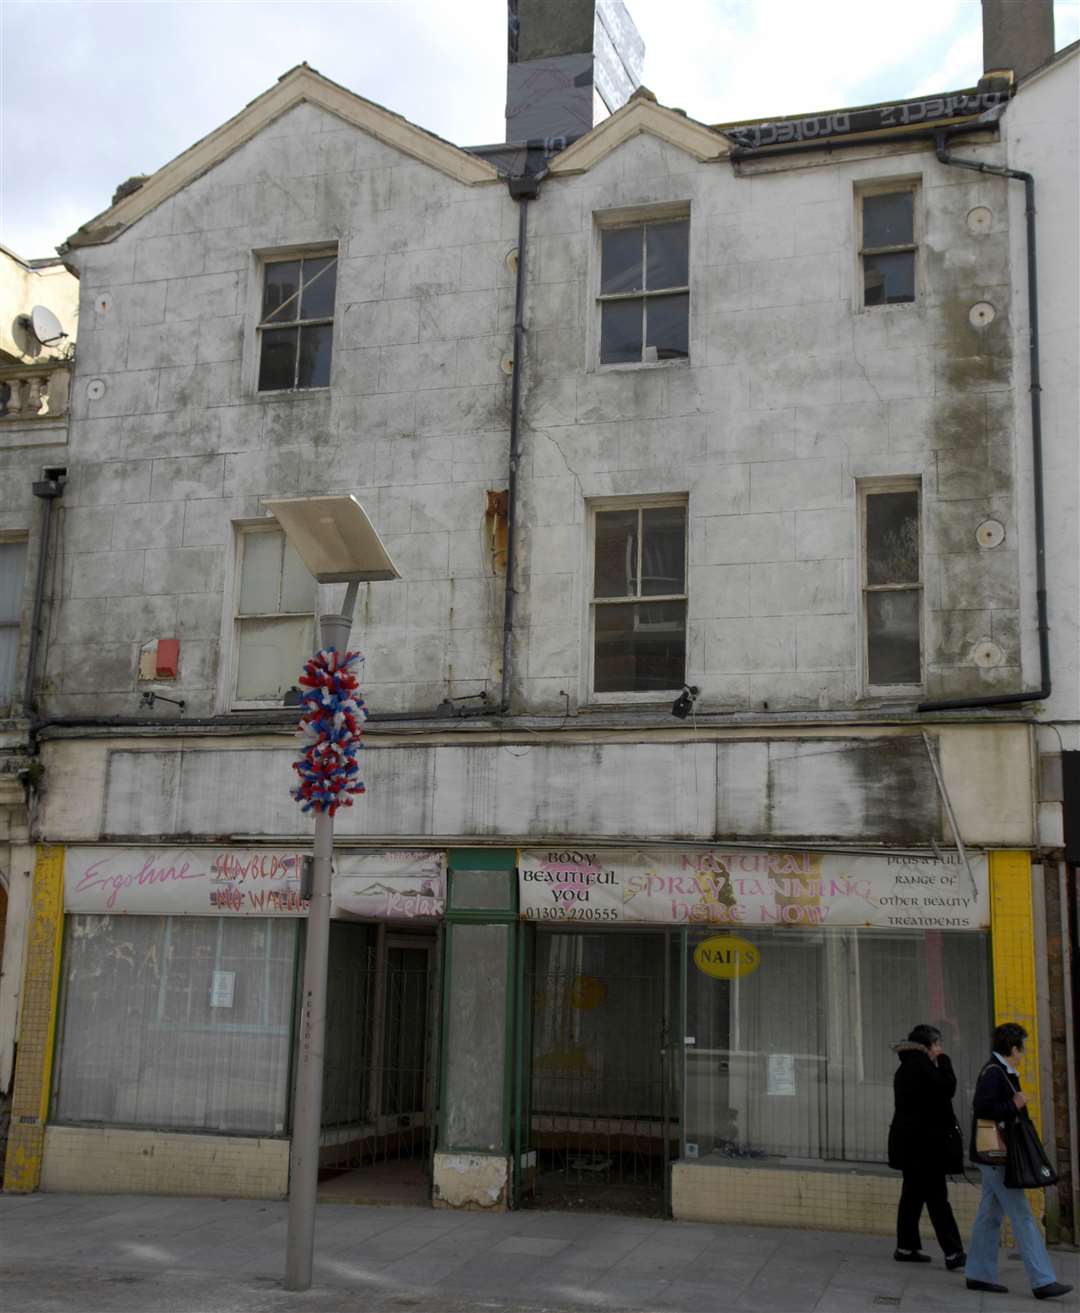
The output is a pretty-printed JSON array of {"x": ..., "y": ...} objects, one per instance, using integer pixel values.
[
  {"x": 1017, "y": 34},
  {"x": 571, "y": 63}
]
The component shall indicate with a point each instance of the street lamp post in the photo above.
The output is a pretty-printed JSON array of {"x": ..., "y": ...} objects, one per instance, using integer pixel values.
[{"x": 338, "y": 544}]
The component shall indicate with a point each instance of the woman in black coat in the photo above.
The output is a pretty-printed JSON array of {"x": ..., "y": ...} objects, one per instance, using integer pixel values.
[{"x": 925, "y": 1144}]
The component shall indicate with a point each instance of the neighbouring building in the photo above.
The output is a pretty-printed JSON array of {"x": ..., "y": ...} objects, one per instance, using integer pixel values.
[{"x": 706, "y": 751}]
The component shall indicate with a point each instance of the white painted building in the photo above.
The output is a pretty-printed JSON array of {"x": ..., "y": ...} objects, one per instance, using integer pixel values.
[{"x": 697, "y": 451}]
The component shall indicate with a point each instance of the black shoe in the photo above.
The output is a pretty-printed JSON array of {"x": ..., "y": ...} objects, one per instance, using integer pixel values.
[
  {"x": 952, "y": 1262},
  {"x": 911, "y": 1256},
  {"x": 991, "y": 1286},
  {"x": 1051, "y": 1291}
]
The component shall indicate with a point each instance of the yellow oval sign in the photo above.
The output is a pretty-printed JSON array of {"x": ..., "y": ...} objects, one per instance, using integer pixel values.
[{"x": 726, "y": 957}]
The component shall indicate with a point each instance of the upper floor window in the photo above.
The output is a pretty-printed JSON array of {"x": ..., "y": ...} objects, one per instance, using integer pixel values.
[
  {"x": 275, "y": 606},
  {"x": 888, "y": 246},
  {"x": 639, "y": 599},
  {"x": 296, "y": 323},
  {"x": 645, "y": 292},
  {"x": 892, "y": 586},
  {"x": 12, "y": 572}
]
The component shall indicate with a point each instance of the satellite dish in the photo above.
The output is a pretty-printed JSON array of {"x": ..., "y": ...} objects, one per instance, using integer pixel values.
[{"x": 45, "y": 326}]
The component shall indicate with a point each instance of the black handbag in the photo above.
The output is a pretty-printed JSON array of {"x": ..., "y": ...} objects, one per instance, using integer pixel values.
[{"x": 1026, "y": 1164}]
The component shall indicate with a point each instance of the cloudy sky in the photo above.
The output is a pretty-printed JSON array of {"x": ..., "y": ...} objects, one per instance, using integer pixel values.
[{"x": 94, "y": 91}]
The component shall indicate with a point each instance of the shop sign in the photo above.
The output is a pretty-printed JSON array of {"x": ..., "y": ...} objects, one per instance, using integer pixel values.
[
  {"x": 733, "y": 887},
  {"x": 376, "y": 885},
  {"x": 726, "y": 957}
]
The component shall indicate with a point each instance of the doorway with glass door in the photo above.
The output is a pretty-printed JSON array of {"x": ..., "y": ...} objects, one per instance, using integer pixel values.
[
  {"x": 598, "y": 1102},
  {"x": 379, "y": 1095}
]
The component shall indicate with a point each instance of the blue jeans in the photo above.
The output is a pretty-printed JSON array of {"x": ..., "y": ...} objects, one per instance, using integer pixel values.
[{"x": 998, "y": 1201}]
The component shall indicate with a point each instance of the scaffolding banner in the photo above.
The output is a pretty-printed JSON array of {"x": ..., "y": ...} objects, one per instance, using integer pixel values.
[
  {"x": 755, "y": 887},
  {"x": 378, "y": 885}
]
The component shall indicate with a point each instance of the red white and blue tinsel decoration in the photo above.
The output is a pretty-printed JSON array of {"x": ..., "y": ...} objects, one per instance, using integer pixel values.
[{"x": 330, "y": 727}]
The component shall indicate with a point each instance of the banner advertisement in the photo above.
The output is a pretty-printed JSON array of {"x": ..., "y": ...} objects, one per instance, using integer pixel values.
[
  {"x": 373, "y": 885},
  {"x": 752, "y": 888}
]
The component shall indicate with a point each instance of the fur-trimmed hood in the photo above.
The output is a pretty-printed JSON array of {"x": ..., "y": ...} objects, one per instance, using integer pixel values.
[{"x": 909, "y": 1046}]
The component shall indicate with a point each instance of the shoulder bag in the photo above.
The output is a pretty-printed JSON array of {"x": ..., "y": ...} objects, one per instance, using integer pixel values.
[
  {"x": 1026, "y": 1164},
  {"x": 990, "y": 1146}
]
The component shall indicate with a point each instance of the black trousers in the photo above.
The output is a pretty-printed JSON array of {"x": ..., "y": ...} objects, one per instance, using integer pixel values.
[{"x": 929, "y": 1187}]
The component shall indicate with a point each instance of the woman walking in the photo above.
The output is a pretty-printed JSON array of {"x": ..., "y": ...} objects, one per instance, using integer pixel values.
[
  {"x": 999, "y": 1099},
  {"x": 925, "y": 1144}
]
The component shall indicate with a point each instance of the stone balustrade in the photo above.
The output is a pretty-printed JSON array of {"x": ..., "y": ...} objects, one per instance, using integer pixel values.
[{"x": 29, "y": 392}]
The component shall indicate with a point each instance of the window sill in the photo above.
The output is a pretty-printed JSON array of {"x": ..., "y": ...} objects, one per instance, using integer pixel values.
[
  {"x": 631, "y": 366},
  {"x": 278, "y": 393},
  {"x": 651, "y": 701},
  {"x": 897, "y": 307}
]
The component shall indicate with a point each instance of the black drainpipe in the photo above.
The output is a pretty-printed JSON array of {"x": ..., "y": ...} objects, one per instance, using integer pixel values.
[
  {"x": 1041, "y": 693},
  {"x": 48, "y": 490},
  {"x": 523, "y": 189}
]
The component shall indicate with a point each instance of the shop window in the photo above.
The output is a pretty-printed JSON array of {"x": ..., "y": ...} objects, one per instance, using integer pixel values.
[
  {"x": 296, "y": 323},
  {"x": 639, "y": 598},
  {"x": 176, "y": 1023},
  {"x": 892, "y": 587},
  {"x": 275, "y": 606},
  {"x": 793, "y": 1062},
  {"x": 644, "y": 298},
  {"x": 888, "y": 249},
  {"x": 12, "y": 574}
]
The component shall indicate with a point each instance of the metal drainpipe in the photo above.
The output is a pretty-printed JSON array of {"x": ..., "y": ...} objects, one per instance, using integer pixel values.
[
  {"x": 1041, "y": 693},
  {"x": 48, "y": 490},
  {"x": 523, "y": 189}
]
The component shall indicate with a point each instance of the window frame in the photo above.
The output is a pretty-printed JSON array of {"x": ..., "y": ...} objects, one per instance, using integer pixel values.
[
  {"x": 644, "y": 503},
  {"x": 276, "y": 255},
  {"x": 228, "y": 700},
  {"x": 8, "y": 706},
  {"x": 887, "y": 187},
  {"x": 635, "y": 217},
  {"x": 869, "y": 488}
]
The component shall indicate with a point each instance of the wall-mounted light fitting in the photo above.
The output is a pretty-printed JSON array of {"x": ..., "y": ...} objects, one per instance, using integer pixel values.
[{"x": 683, "y": 704}]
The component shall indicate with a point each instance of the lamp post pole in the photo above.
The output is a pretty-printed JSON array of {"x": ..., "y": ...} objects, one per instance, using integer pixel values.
[{"x": 307, "y": 1103}]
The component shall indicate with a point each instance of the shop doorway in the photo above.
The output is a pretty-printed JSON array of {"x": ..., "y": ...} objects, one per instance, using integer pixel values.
[
  {"x": 379, "y": 1088},
  {"x": 598, "y": 1094}
]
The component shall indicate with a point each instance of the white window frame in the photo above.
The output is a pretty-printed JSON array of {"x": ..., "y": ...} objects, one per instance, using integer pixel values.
[
  {"x": 643, "y": 503},
  {"x": 227, "y": 698},
  {"x": 8, "y": 706},
  {"x": 870, "y": 488},
  {"x": 253, "y": 319},
  {"x": 886, "y": 187},
  {"x": 634, "y": 217}
]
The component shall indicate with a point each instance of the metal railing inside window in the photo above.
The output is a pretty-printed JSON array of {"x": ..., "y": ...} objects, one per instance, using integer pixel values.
[
  {"x": 296, "y": 326},
  {"x": 645, "y": 293}
]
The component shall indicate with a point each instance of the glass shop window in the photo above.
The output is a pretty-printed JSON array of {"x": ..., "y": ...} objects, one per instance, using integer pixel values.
[
  {"x": 888, "y": 249},
  {"x": 644, "y": 299},
  {"x": 639, "y": 599},
  {"x": 892, "y": 587},
  {"x": 176, "y": 1022},
  {"x": 296, "y": 326},
  {"x": 275, "y": 617},
  {"x": 793, "y": 1062}
]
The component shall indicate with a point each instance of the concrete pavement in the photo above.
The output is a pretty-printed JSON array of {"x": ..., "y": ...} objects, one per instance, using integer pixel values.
[{"x": 122, "y": 1253}]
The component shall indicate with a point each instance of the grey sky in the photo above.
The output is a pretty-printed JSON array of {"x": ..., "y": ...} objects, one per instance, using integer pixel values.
[{"x": 94, "y": 91}]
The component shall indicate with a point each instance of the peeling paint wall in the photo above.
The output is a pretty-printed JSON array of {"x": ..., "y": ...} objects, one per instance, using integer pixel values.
[{"x": 470, "y": 1180}]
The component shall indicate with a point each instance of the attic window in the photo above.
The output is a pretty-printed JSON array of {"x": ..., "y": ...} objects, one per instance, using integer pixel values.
[{"x": 296, "y": 327}]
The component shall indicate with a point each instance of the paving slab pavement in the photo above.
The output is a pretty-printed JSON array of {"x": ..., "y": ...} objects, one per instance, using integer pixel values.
[{"x": 133, "y": 1254}]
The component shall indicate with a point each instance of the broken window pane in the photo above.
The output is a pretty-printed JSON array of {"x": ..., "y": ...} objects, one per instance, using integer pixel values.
[
  {"x": 892, "y": 538},
  {"x": 316, "y": 345},
  {"x": 271, "y": 656},
  {"x": 640, "y": 647},
  {"x": 620, "y": 332},
  {"x": 668, "y": 325},
  {"x": 889, "y": 220},
  {"x": 277, "y": 362},
  {"x": 280, "y": 300},
  {"x": 620, "y": 263},
  {"x": 667, "y": 252},
  {"x": 320, "y": 279},
  {"x": 889, "y": 279},
  {"x": 663, "y": 550},
  {"x": 892, "y": 637},
  {"x": 615, "y": 572}
]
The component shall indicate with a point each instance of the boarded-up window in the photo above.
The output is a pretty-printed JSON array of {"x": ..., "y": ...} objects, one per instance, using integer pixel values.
[
  {"x": 639, "y": 599},
  {"x": 275, "y": 616},
  {"x": 892, "y": 586}
]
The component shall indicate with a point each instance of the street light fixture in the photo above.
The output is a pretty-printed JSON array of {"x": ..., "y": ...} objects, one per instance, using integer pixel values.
[{"x": 338, "y": 543}]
